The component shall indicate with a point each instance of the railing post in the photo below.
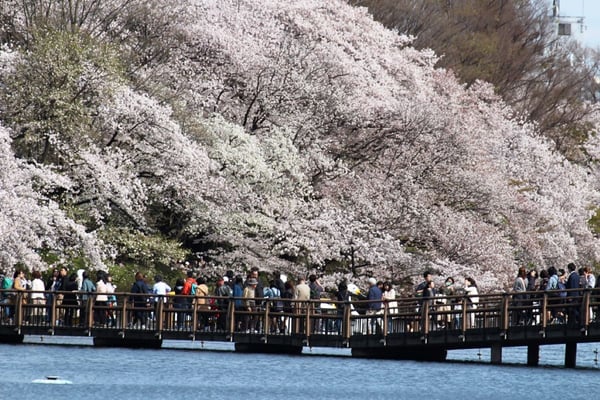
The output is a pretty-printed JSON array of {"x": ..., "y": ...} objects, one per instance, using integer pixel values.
[
  {"x": 53, "y": 312},
  {"x": 505, "y": 314},
  {"x": 231, "y": 316},
  {"x": 464, "y": 315},
  {"x": 425, "y": 318},
  {"x": 385, "y": 318},
  {"x": 124, "y": 321},
  {"x": 89, "y": 307},
  {"x": 160, "y": 309},
  {"x": 347, "y": 323},
  {"x": 267, "y": 320},
  {"x": 194, "y": 314},
  {"x": 585, "y": 312},
  {"x": 296, "y": 319},
  {"x": 18, "y": 320},
  {"x": 307, "y": 326},
  {"x": 544, "y": 311}
]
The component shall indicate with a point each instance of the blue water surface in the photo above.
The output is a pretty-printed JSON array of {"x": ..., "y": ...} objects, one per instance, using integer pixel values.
[{"x": 189, "y": 370}]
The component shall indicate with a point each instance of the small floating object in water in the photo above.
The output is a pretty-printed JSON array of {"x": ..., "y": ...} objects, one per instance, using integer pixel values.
[{"x": 52, "y": 380}]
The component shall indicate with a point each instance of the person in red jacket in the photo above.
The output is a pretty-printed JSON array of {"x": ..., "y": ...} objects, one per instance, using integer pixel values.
[{"x": 187, "y": 285}]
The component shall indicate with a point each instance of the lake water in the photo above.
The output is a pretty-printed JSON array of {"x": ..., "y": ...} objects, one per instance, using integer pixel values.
[{"x": 187, "y": 370}]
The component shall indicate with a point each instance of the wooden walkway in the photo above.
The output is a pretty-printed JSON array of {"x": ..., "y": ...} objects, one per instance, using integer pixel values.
[{"x": 413, "y": 330}]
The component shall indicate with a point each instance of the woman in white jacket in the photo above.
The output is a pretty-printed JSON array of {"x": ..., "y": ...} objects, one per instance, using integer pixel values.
[
  {"x": 101, "y": 304},
  {"x": 389, "y": 298},
  {"x": 472, "y": 295},
  {"x": 38, "y": 297}
]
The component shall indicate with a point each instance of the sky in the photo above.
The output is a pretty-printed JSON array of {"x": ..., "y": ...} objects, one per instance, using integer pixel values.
[{"x": 590, "y": 10}]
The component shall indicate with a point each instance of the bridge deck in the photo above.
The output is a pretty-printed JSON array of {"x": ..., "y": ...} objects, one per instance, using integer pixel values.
[{"x": 414, "y": 329}]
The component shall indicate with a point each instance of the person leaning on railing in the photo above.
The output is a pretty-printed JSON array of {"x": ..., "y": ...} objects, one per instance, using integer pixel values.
[
  {"x": 179, "y": 303},
  {"x": 101, "y": 304},
  {"x": 38, "y": 299},
  {"x": 573, "y": 296},
  {"x": 374, "y": 306},
  {"x": 342, "y": 297},
  {"x": 5, "y": 285},
  {"x": 288, "y": 304},
  {"x": 202, "y": 302},
  {"x": 389, "y": 297},
  {"x": 249, "y": 304},
  {"x": 519, "y": 297},
  {"x": 140, "y": 300},
  {"x": 112, "y": 300},
  {"x": 69, "y": 301},
  {"x": 19, "y": 285},
  {"x": 87, "y": 288},
  {"x": 224, "y": 292},
  {"x": 472, "y": 295}
]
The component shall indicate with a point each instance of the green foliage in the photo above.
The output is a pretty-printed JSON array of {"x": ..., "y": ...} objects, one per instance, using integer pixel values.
[
  {"x": 594, "y": 222},
  {"x": 150, "y": 254},
  {"x": 52, "y": 95},
  {"x": 144, "y": 250}
]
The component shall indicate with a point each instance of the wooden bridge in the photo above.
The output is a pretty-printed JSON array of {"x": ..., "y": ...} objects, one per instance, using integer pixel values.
[{"x": 415, "y": 329}]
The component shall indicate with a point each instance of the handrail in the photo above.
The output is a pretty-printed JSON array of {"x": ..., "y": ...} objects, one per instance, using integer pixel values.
[{"x": 197, "y": 315}]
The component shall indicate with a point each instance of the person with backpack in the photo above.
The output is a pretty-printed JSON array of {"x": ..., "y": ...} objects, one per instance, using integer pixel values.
[
  {"x": 189, "y": 285},
  {"x": 19, "y": 285},
  {"x": 275, "y": 306},
  {"x": 223, "y": 293},
  {"x": 554, "y": 288},
  {"x": 87, "y": 288},
  {"x": 200, "y": 294},
  {"x": 6, "y": 285},
  {"x": 279, "y": 283}
]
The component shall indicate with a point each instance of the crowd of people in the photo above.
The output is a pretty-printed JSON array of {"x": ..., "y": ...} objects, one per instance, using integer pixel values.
[
  {"x": 443, "y": 301},
  {"x": 61, "y": 288},
  {"x": 563, "y": 288},
  {"x": 251, "y": 293}
]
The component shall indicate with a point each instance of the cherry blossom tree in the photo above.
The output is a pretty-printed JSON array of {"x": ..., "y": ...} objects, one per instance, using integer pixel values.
[
  {"x": 299, "y": 136},
  {"x": 31, "y": 223}
]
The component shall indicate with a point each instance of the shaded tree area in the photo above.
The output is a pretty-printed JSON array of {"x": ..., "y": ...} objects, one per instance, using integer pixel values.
[{"x": 513, "y": 45}]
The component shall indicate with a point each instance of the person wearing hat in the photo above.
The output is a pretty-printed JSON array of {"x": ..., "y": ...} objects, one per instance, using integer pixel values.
[
  {"x": 374, "y": 306},
  {"x": 249, "y": 304},
  {"x": 224, "y": 292}
]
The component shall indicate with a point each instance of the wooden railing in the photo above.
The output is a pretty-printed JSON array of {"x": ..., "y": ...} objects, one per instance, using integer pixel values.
[{"x": 233, "y": 316}]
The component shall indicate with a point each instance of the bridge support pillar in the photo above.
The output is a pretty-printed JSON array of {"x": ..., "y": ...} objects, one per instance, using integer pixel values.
[
  {"x": 132, "y": 343},
  {"x": 496, "y": 354},
  {"x": 402, "y": 353},
  {"x": 267, "y": 348},
  {"x": 533, "y": 355},
  {"x": 12, "y": 339},
  {"x": 570, "y": 354}
]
